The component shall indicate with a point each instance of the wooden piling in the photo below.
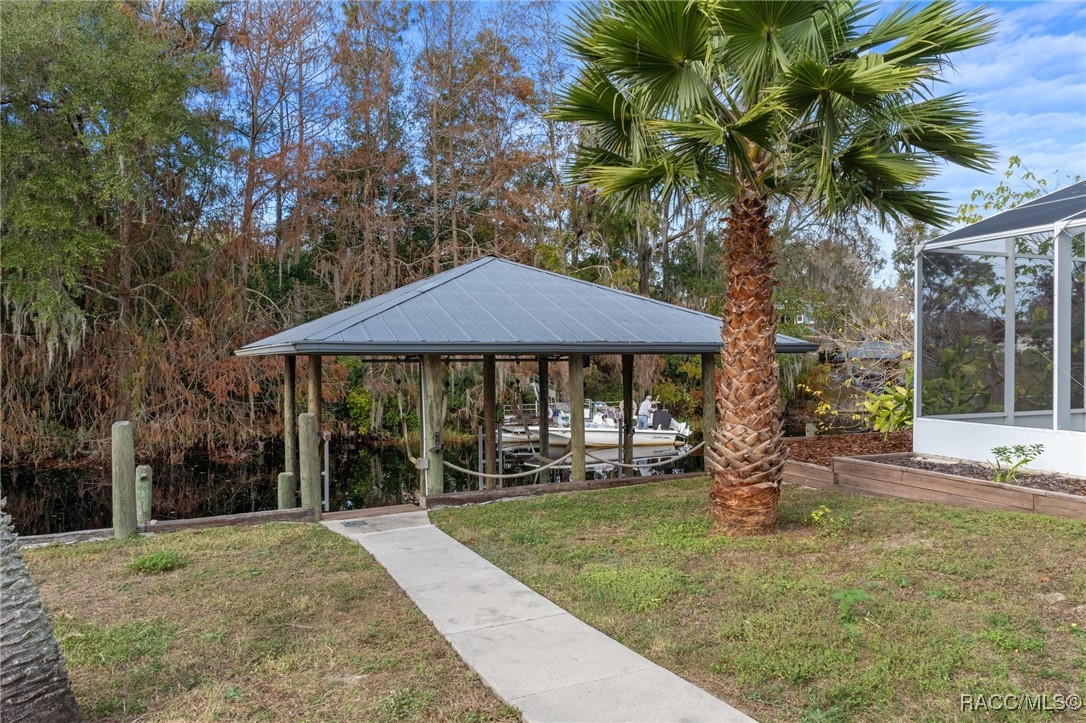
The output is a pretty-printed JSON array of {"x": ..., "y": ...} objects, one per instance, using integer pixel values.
[
  {"x": 490, "y": 432},
  {"x": 286, "y": 491},
  {"x": 433, "y": 422},
  {"x": 544, "y": 411},
  {"x": 629, "y": 417},
  {"x": 708, "y": 405},
  {"x": 576, "y": 415},
  {"x": 314, "y": 396},
  {"x": 309, "y": 460},
  {"x": 124, "y": 480},
  {"x": 290, "y": 415},
  {"x": 144, "y": 478}
]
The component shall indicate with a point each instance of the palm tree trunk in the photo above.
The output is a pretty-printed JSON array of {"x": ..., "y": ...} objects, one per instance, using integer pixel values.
[
  {"x": 33, "y": 681},
  {"x": 747, "y": 441}
]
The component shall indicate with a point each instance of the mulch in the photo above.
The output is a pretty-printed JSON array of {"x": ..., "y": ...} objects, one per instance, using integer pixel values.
[
  {"x": 1037, "y": 480},
  {"x": 821, "y": 450}
]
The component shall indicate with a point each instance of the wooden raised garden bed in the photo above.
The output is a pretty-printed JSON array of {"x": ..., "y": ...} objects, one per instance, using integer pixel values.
[{"x": 876, "y": 474}]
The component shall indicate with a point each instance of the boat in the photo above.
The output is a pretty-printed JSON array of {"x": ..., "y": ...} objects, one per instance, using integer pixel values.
[
  {"x": 604, "y": 436},
  {"x": 516, "y": 433},
  {"x": 601, "y": 429},
  {"x": 602, "y": 461}
]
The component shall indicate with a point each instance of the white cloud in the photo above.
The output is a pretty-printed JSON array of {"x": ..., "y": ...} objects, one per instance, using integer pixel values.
[{"x": 1029, "y": 85}]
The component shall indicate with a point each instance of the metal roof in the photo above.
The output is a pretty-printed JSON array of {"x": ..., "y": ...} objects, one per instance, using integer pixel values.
[
  {"x": 1067, "y": 205},
  {"x": 494, "y": 306}
]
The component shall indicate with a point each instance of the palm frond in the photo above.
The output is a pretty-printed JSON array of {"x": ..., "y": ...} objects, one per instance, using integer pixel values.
[
  {"x": 927, "y": 34},
  {"x": 946, "y": 127},
  {"x": 760, "y": 37},
  {"x": 594, "y": 101},
  {"x": 656, "y": 48}
]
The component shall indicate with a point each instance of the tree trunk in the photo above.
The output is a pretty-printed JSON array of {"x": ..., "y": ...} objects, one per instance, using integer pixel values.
[
  {"x": 33, "y": 681},
  {"x": 747, "y": 440}
]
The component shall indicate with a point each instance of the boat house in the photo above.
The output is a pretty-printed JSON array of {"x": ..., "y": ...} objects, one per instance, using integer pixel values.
[
  {"x": 1000, "y": 330},
  {"x": 493, "y": 310}
]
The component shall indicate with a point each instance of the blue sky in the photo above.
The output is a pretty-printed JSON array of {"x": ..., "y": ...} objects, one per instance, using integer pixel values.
[{"x": 1030, "y": 88}]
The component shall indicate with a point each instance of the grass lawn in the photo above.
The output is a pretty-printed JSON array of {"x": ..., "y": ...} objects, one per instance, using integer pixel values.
[
  {"x": 880, "y": 610},
  {"x": 278, "y": 622}
]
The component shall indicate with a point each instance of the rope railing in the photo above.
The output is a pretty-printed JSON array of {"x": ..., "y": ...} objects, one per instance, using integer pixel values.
[
  {"x": 530, "y": 472},
  {"x": 566, "y": 456},
  {"x": 668, "y": 460}
]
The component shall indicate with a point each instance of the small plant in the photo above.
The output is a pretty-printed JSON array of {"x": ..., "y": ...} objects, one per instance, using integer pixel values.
[
  {"x": 155, "y": 562},
  {"x": 1009, "y": 459},
  {"x": 848, "y": 603},
  {"x": 891, "y": 409},
  {"x": 827, "y": 523},
  {"x": 821, "y": 515}
]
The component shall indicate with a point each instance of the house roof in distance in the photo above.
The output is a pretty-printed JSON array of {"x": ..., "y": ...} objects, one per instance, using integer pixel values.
[{"x": 495, "y": 306}]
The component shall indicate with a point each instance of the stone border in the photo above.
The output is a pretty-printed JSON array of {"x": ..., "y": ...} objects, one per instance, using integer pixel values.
[{"x": 872, "y": 475}]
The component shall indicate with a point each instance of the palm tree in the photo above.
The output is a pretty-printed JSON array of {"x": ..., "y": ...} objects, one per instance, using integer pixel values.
[
  {"x": 751, "y": 104},
  {"x": 33, "y": 682}
]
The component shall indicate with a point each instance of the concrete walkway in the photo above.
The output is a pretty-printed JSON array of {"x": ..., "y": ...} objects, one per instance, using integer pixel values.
[{"x": 534, "y": 654}]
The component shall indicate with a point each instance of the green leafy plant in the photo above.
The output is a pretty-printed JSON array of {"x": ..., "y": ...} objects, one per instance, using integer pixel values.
[
  {"x": 1009, "y": 459},
  {"x": 959, "y": 386},
  {"x": 848, "y": 604},
  {"x": 156, "y": 562},
  {"x": 892, "y": 408},
  {"x": 827, "y": 523}
]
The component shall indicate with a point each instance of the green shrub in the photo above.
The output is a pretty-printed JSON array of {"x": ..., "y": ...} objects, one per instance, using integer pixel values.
[
  {"x": 891, "y": 409},
  {"x": 155, "y": 562}
]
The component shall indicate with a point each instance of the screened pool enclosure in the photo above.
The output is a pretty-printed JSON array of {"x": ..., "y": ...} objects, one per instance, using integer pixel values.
[{"x": 1001, "y": 335}]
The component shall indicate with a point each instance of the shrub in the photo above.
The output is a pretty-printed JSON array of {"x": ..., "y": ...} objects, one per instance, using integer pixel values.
[{"x": 891, "y": 409}]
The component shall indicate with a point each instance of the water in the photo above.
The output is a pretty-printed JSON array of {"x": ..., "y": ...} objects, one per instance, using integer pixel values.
[{"x": 44, "y": 501}]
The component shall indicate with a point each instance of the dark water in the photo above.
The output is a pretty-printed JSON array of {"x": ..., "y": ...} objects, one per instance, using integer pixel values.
[{"x": 48, "y": 501}]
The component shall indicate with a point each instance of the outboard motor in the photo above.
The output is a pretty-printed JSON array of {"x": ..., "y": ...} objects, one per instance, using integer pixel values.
[{"x": 661, "y": 419}]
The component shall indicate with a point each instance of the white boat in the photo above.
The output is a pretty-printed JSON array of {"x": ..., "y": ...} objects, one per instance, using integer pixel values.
[
  {"x": 609, "y": 437},
  {"x": 516, "y": 433},
  {"x": 603, "y": 459},
  {"x": 600, "y": 429},
  {"x": 599, "y": 436}
]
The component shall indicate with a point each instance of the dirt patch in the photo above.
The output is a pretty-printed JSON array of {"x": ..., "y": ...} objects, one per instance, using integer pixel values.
[
  {"x": 904, "y": 540},
  {"x": 821, "y": 450},
  {"x": 1037, "y": 480}
]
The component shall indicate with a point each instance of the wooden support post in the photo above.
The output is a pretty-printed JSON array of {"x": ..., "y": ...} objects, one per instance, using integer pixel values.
[
  {"x": 629, "y": 415},
  {"x": 286, "y": 491},
  {"x": 708, "y": 406},
  {"x": 143, "y": 494},
  {"x": 490, "y": 431},
  {"x": 576, "y": 415},
  {"x": 433, "y": 422},
  {"x": 290, "y": 416},
  {"x": 314, "y": 397},
  {"x": 309, "y": 460},
  {"x": 544, "y": 412},
  {"x": 124, "y": 480}
]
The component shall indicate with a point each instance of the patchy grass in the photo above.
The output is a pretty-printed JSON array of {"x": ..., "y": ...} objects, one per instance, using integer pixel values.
[
  {"x": 158, "y": 561},
  {"x": 279, "y": 622},
  {"x": 871, "y": 609}
]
